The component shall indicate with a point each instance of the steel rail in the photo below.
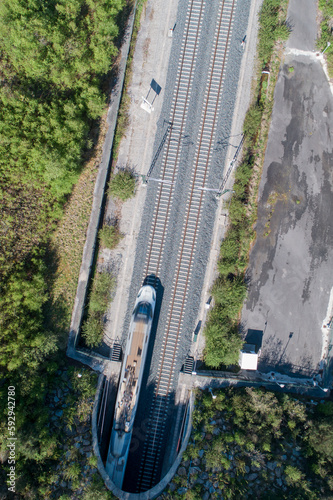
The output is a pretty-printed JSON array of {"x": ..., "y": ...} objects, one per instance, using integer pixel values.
[{"x": 183, "y": 81}]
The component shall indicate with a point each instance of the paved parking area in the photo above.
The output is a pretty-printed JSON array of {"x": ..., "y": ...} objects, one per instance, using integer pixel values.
[{"x": 291, "y": 261}]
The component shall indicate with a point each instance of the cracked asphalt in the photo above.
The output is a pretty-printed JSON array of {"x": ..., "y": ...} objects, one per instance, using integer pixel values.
[{"x": 291, "y": 262}]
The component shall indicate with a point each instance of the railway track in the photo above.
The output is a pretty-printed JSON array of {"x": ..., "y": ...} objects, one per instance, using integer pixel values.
[
  {"x": 171, "y": 156},
  {"x": 152, "y": 448}
]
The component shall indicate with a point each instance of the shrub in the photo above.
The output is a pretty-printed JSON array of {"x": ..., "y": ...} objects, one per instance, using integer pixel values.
[
  {"x": 223, "y": 344},
  {"x": 109, "y": 236},
  {"x": 252, "y": 121},
  {"x": 92, "y": 331},
  {"x": 72, "y": 472},
  {"x": 230, "y": 293},
  {"x": 293, "y": 474},
  {"x": 100, "y": 294},
  {"x": 122, "y": 185}
]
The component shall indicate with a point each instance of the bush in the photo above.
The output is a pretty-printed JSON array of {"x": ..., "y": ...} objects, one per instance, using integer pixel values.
[
  {"x": 223, "y": 344},
  {"x": 293, "y": 474},
  {"x": 122, "y": 185},
  {"x": 92, "y": 331},
  {"x": 100, "y": 294},
  {"x": 109, "y": 236},
  {"x": 252, "y": 121},
  {"x": 229, "y": 293}
]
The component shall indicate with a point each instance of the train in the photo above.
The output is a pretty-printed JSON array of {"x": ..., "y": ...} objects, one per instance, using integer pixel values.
[{"x": 130, "y": 383}]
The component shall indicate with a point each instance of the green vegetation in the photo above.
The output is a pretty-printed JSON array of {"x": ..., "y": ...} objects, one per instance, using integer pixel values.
[
  {"x": 55, "y": 59},
  {"x": 253, "y": 443},
  {"x": 122, "y": 185},
  {"x": 271, "y": 29},
  {"x": 102, "y": 287},
  {"x": 326, "y": 36},
  {"x": 109, "y": 236},
  {"x": 223, "y": 341}
]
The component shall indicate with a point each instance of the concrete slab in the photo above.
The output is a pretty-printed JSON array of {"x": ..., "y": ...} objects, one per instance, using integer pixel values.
[{"x": 291, "y": 262}]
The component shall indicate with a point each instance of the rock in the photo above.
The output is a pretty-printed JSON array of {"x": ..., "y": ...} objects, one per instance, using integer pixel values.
[
  {"x": 271, "y": 465},
  {"x": 247, "y": 469},
  {"x": 69, "y": 432},
  {"x": 181, "y": 491},
  {"x": 63, "y": 484},
  {"x": 278, "y": 472},
  {"x": 56, "y": 399},
  {"x": 172, "y": 487},
  {"x": 77, "y": 445},
  {"x": 86, "y": 442},
  {"x": 181, "y": 471},
  {"x": 211, "y": 489},
  {"x": 208, "y": 436},
  {"x": 60, "y": 393},
  {"x": 82, "y": 429},
  {"x": 252, "y": 477},
  {"x": 216, "y": 431},
  {"x": 201, "y": 453},
  {"x": 279, "y": 482},
  {"x": 284, "y": 457},
  {"x": 205, "y": 496},
  {"x": 59, "y": 413},
  {"x": 86, "y": 448},
  {"x": 213, "y": 422}
]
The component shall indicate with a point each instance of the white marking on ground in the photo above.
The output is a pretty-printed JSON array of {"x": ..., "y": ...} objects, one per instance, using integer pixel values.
[{"x": 325, "y": 328}]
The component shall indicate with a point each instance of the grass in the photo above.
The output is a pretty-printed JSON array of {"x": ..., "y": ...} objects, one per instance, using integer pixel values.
[
  {"x": 326, "y": 8},
  {"x": 109, "y": 236},
  {"x": 69, "y": 238},
  {"x": 102, "y": 287},
  {"x": 122, "y": 185}
]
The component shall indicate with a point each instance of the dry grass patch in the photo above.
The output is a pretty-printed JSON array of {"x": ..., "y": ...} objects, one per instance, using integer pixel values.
[{"x": 69, "y": 238}]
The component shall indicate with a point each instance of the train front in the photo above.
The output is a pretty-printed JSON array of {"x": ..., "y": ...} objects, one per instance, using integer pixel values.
[{"x": 130, "y": 383}]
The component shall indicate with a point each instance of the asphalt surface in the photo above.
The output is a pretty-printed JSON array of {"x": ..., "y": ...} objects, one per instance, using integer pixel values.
[{"x": 290, "y": 271}]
